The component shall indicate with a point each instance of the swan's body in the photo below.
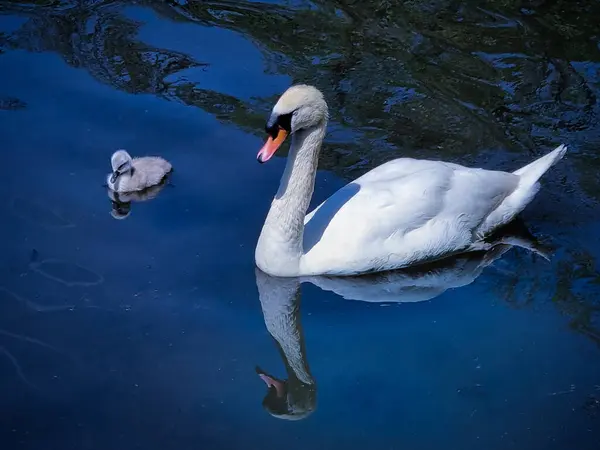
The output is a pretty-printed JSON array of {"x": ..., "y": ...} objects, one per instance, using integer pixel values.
[
  {"x": 402, "y": 213},
  {"x": 136, "y": 174}
]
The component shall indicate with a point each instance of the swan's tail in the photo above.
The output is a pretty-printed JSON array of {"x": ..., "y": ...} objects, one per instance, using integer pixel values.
[
  {"x": 527, "y": 188},
  {"x": 532, "y": 172},
  {"x": 530, "y": 175}
]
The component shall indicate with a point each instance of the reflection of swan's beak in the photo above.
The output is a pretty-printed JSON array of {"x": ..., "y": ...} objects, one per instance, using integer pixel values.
[
  {"x": 272, "y": 382},
  {"x": 271, "y": 146}
]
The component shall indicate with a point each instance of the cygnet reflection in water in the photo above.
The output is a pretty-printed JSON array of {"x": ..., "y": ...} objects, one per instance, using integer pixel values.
[
  {"x": 121, "y": 202},
  {"x": 295, "y": 398},
  {"x": 136, "y": 174}
]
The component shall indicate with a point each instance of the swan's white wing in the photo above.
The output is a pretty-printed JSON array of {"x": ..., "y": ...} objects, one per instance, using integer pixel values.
[{"x": 403, "y": 212}]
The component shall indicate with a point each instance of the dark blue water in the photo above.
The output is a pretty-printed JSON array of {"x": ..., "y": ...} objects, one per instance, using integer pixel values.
[{"x": 146, "y": 332}]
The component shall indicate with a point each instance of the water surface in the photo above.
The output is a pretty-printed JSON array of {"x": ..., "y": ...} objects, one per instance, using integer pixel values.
[{"x": 148, "y": 331}]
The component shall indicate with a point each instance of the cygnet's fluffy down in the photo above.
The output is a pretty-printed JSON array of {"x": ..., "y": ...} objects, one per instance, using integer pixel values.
[{"x": 130, "y": 175}]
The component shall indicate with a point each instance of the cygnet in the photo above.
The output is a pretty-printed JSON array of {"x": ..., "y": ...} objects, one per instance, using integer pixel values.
[{"x": 130, "y": 175}]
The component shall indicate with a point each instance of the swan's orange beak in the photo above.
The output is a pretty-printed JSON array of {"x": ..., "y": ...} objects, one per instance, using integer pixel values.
[{"x": 271, "y": 146}]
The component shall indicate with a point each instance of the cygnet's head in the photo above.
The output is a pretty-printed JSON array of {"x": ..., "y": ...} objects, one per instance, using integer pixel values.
[
  {"x": 121, "y": 163},
  {"x": 300, "y": 107}
]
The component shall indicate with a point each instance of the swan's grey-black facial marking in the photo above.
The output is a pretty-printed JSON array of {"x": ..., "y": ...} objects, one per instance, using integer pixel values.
[
  {"x": 278, "y": 127},
  {"x": 279, "y": 121}
]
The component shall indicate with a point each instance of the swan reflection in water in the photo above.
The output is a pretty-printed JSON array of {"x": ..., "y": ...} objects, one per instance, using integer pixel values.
[
  {"x": 121, "y": 202},
  {"x": 296, "y": 397}
]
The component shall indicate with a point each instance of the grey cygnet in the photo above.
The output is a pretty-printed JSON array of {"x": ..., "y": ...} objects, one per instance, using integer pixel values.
[{"x": 135, "y": 174}]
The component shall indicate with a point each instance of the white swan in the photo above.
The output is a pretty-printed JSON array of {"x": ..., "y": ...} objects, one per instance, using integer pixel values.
[
  {"x": 404, "y": 212},
  {"x": 130, "y": 175}
]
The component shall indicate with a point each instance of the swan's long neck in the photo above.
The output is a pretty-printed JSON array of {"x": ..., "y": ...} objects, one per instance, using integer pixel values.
[{"x": 279, "y": 247}]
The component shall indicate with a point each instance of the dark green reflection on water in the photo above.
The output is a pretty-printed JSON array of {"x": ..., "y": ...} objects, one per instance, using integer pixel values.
[{"x": 423, "y": 77}]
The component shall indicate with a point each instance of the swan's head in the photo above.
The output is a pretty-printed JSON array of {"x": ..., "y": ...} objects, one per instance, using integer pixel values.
[
  {"x": 288, "y": 399},
  {"x": 300, "y": 107},
  {"x": 121, "y": 163}
]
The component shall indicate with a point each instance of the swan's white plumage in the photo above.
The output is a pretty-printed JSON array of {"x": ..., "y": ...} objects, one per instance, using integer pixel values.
[
  {"x": 404, "y": 212},
  {"x": 411, "y": 211}
]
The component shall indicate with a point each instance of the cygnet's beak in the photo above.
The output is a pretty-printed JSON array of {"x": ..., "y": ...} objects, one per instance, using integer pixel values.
[
  {"x": 114, "y": 176},
  {"x": 271, "y": 146}
]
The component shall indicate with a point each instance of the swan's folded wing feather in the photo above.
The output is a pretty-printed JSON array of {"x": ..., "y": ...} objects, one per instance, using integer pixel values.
[{"x": 403, "y": 212}]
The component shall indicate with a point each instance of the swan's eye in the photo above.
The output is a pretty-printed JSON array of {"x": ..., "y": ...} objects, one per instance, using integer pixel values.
[
  {"x": 276, "y": 122},
  {"x": 285, "y": 122}
]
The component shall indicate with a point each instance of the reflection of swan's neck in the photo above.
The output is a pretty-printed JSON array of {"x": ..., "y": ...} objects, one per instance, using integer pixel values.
[
  {"x": 279, "y": 247},
  {"x": 280, "y": 302}
]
